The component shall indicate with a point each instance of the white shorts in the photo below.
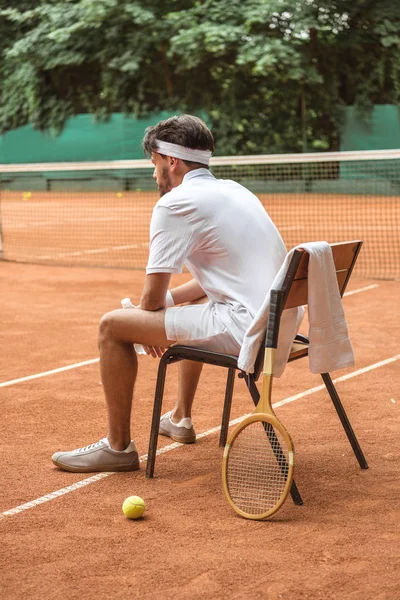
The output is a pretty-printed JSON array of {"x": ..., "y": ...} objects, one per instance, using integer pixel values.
[{"x": 200, "y": 326}]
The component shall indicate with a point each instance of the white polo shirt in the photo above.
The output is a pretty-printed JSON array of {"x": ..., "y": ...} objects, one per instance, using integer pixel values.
[{"x": 223, "y": 234}]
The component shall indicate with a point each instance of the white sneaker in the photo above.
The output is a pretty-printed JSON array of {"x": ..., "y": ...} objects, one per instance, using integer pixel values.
[
  {"x": 184, "y": 435},
  {"x": 98, "y": 457}
]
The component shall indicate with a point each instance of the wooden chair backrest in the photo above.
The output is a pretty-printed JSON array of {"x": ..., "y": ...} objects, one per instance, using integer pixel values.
[{"x": 295, "y": 284}]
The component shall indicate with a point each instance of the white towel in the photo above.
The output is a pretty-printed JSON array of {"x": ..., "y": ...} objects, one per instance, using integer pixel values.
[
  {"x": 330, "y": 347},
  {"x": 255, "y": 335}
]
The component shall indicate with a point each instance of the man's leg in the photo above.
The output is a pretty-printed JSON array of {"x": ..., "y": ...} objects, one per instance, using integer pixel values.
[
  {"x": 189, "y": 374},
  {"x": 177, "y": 424},
  {"x": 118, "y": 369},
  {"x": 118, "y": 363}
]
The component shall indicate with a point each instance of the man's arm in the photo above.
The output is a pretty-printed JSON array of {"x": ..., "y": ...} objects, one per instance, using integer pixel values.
[
  {"x": 154, "y": 291},
  {"x": 154, "y": 294},
  {"x": 187, "y": 292},
  {"x": 156, "y": 286}
]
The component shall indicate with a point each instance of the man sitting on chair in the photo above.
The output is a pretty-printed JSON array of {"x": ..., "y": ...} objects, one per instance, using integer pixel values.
[{"x": 222, "y": 233}]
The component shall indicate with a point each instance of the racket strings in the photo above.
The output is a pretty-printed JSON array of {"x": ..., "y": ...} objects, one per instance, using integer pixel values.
[{"x": 258, "y": 468}]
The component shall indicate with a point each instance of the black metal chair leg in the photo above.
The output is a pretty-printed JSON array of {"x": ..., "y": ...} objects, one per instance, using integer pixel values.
[
  {"x": 255, "y": 394},
  {"x": 155, "y": 423},
  {"x": 230, "y": 382},
  {"x": 344, "y": 420}
]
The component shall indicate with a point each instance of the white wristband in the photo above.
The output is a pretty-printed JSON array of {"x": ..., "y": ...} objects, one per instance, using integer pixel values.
[{"x": 169, "y": 301}]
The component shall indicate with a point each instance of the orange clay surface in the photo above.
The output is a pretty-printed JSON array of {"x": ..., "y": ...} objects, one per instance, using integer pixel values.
[
  {"x": 112, "y": 229},
  {"x": 343, "y": 543}
]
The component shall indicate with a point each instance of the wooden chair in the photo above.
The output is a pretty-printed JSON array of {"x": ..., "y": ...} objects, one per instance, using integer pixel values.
[{"x": 295, "y": 293}]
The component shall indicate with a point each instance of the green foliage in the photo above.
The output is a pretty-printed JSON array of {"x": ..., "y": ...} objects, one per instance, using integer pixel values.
[{"x": 272, "y": 74}]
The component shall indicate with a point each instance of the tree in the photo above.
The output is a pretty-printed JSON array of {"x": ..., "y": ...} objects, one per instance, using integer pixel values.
[{"x": 271, "y": 74}]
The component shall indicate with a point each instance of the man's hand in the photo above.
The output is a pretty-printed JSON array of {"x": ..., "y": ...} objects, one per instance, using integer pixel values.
[{"x": 154, "y": 351}]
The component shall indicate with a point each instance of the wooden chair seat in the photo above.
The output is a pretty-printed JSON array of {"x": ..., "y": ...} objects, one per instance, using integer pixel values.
[{"x": 298, "y": 350}]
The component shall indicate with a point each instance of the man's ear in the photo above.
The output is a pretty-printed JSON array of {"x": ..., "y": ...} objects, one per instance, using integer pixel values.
[{"x": 173, "y": 163}]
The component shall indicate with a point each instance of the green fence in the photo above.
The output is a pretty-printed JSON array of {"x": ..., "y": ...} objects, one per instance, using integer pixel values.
[{"x": 83, "y": 139}]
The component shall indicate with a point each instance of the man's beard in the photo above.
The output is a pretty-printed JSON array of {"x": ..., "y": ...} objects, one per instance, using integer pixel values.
[{"x": 165, "y": 184}]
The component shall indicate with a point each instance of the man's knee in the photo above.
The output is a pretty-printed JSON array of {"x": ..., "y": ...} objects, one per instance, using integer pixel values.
[{"x": 106, "y": 327}]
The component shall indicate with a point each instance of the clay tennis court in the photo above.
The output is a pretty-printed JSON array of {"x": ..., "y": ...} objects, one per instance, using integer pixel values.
[
  {"x": 64, "y": 535},
  {"x": 112, "y": 228}
]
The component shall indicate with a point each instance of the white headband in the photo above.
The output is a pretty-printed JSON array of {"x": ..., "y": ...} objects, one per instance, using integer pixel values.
[{"x": 198, "y": 156}]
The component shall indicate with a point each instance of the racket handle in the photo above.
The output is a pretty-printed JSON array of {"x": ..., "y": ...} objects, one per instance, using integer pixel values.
[
  {"x": 275, "y": 311},
  {"x": 126, "y": 303}
]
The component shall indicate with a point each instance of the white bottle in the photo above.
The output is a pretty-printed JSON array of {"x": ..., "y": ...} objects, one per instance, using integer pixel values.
[{"x": 126, "y": 303}]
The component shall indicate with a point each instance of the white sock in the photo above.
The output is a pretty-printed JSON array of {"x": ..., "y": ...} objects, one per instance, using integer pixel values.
[
  {"x": 130, "y": 448},
  {"x": 185, "y": 422}
]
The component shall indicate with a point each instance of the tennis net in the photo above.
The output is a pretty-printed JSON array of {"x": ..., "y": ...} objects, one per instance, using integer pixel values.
[{"x": 98, "y": 214}]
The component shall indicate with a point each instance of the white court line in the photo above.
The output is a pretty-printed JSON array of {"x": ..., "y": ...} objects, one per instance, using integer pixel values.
[
  {"x": 382, "y": 363},
  {"x": 98, "y": 476},
  {"x": 92, "y": 251},
  {"x": 94, "y": 360},
  {"x": 363, "y": 289},
  {"x": 45, "y": 373}
]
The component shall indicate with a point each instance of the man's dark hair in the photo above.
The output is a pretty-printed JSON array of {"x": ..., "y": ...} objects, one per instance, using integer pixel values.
[{"x": 185, "y": 130}]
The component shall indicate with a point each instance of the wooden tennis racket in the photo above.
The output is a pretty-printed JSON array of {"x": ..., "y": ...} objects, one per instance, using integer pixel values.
[{"x": 257, "y": 469}]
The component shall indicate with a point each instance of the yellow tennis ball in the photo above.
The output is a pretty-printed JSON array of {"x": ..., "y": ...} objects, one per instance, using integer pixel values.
[
  {"x": 133, "y": 507},
  {"x": 119, "y": 195}
]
